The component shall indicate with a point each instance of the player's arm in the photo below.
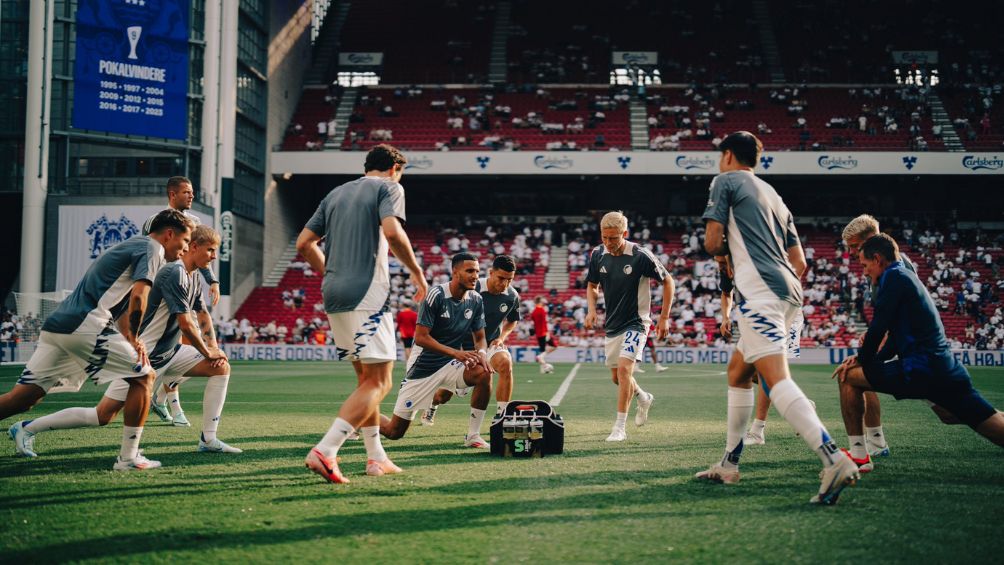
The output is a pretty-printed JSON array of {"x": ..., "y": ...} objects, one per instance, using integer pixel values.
[
  {"x": 194, "y": 335},
  {"x": 714, "y": 238},
  {"x": 508, "y": 326},
  {"x": 726, "y": 285},
  {"x": 137, "y": 309},
  {"x": 796, "y": 256},
  {"x": 400, "y": 246},
  {"x": 307, "y": 246},
  {"x": 668, "y": 292},
  {"x": 205, "y": 322},
  {"x": 887, "y": 301},
  {"x": 592, "y": 297},
  {"x": 481, "y": 345},
  {"x": 214, "y": 284},
  {"x": 428, "y": 343}
]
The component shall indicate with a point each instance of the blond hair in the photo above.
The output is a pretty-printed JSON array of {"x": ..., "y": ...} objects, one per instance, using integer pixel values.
[
  {"x": 205, "y": 235},
  {"x": 860, "y": 227},
  {"x": 615, "y": 220}
]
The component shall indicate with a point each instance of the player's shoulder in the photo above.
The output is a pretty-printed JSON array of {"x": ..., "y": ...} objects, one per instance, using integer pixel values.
[
  {"x": 513, "y": 294},
  {"x": 597, "y": 252},
  {"x": 435, "y": 294}
]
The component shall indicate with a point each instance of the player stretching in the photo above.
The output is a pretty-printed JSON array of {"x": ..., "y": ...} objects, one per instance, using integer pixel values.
[
  {"x": 176, "y": 293},
  {"x": 180, "y": 195},
  {"x": 924, "y": 368},
  {"x": 359, "y": 221},
  {"x": 501, "y": 315},
  {"x": 768, "y": 261},
  {"x": 545, "y": 341},
  {"x": 79, "y": 340},
  {"x": 451, "y": 313},
  {"x": 624, "y": 270}
]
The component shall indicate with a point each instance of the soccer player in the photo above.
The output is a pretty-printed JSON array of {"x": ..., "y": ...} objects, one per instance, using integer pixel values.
[
  {"x": 745, "y": 218},
  {"x": 451, "y": 313},
  {"x": 406, "y": 320},
  {"x": 855, "y": 233},
  {"x": 79, "y": 340},
  {"x": 924, "y": 368},
  {"x": 501, "y": 316},
  {"x": 359, "y": 220},
  {"x": 624, "y": 270},
  {"x": 545, "y": 341},
  {"x": 180, "y": 195},
  {"x": 176, "y": 293}
]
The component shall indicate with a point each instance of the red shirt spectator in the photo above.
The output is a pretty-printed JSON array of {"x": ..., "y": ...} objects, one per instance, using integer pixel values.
[
  {"x": 539, "y": 317},
  {"x": 406, "y": 320}
]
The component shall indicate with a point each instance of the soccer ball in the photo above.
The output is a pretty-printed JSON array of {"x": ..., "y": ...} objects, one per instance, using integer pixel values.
[{"x": 548, "y": 368}]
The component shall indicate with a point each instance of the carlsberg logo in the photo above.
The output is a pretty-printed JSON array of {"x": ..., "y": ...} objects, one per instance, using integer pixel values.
[
  {"x": 830, "y": 163},
  {"x": 548, "y": 163},
  {"x": 689, "y": 163},
  {"x": 977, "y": 163}
]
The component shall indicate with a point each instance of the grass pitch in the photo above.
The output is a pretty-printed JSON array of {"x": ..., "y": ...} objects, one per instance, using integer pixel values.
[{"x": 939, "y": 497}]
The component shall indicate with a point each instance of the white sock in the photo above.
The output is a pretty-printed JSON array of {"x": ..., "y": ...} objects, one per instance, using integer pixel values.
[
  {"x": 474, "y": 426},
  {"x": 857, "y": 444},
  {"x": 500, "y": 406},
  {"x": 64, "y": 419},
  {"x": 335, "y": 437},
  {"x": 621, "y": 420},
  {"x": 639, "y": 392},
  {"x": 212, "y": 405},
  {"x": 797, "y": 410},
  {"x": 541, "y": 359},
  {"x": 371, "y": 438},
  {"x": 876, "y": 436},
  {"x": 758, "y": 426},
  {"x": 160, "y": 396},
  {"x": 741, "y": 401},
  {"x": 173, "y": 401},
  {"x": 130, "y": 442}
]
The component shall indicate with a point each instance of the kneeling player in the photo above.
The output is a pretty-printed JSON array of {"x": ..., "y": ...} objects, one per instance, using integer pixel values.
[
  {"x": 450, "y": 313},
  {"x": 501, "y": 302},
  {"x": 925, "y": 368},
  {"x": 175, "y": 295}
]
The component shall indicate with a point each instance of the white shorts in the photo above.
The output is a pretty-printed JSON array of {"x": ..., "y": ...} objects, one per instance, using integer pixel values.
[
  {"x": 185, "y": 358},
  {"x": 630, "y": 344},
  {"x": 795, "y": 336},
  {"x": 765, "y": 328},
  {"x": 71, "y": 359},
  {"x": 364, "y": 336},
  {"x": 417, "y": 394}
]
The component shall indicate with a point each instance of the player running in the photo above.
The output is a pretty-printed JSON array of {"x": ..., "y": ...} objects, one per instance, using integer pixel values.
[
  {"x": 80, "y": 341},
  {"x": 176, "y": 294},
  {"x": 451, "y": 313},
  {"x": 624, "y": 270},
  {"x": 745, "y": 218},
  {"x": 501, "y": 316},
  {"x": 180, "y": 195},
  {"x": 359, "y": 220},
  {"x": 915, "y": 360},
  {"x": 542, "y": 329}
]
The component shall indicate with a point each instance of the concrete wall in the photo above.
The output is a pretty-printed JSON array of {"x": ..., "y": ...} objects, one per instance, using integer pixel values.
[{"x": 288, "y": 60}]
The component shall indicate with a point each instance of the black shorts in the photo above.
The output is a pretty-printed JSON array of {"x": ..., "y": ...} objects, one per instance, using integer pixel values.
[
  {"x": 407, "y": 341},
  {"x": 543, "y": 342},
  {"x": 942, "y": 380}
]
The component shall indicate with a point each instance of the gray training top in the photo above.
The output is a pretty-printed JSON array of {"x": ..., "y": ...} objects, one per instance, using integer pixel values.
[
  {"x": 625, "y": 280},
  {"x": 175, "y": 291},
  {"x": 356, "y": 274},
  {"x": 498, "y": 307},
  {"x": 760, "y": 230},
  {"x": 207, "y": 273},
  {"x": 450, "y": 321},
  {"x": 105, "y": 286}
]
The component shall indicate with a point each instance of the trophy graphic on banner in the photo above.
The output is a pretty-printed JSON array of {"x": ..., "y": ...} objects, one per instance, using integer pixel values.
[{"x": 133, "y": 33}]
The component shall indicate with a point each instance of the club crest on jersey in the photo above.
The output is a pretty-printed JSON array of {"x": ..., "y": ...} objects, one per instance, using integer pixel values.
[
  {"x": 627, "y": 269},
  {"x": 105, "y": 233},
  {"x": 468, "y": 313},
  {"x": 503, "y": 307}
]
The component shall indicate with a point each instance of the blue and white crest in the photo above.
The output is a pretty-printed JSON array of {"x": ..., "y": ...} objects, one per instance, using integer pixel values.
[
  {"x": 766, "y": 162},
  {"x": 483, "y": 162},
  {"x": 105, "y": 234},
  {"x": 624, "y": 162},
  {"x": 909, "y": 161}
]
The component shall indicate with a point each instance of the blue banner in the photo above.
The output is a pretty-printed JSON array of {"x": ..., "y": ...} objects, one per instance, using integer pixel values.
[{"x": 131, "y": 67}]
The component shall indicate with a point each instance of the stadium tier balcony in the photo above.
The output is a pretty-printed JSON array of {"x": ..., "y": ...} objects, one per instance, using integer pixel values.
[
  {"x": 423, "y": 42},
  {"x": 981, "y": 111},
  {"x": 313, "y": 108}
]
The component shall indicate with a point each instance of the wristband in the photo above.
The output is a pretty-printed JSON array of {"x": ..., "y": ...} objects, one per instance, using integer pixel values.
[{"x": 483, "y": 352}]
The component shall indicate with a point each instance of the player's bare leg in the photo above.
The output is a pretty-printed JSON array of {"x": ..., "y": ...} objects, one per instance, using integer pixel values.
[
  {"x": 740, "y": 408},
  {"x": 502, "y": 364},
  {"x": 755, "y": 434},
  {"x": 875, "y": 441},
  {"x": 20, "y": 398},
  {"x": 481, "y": 380}
]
